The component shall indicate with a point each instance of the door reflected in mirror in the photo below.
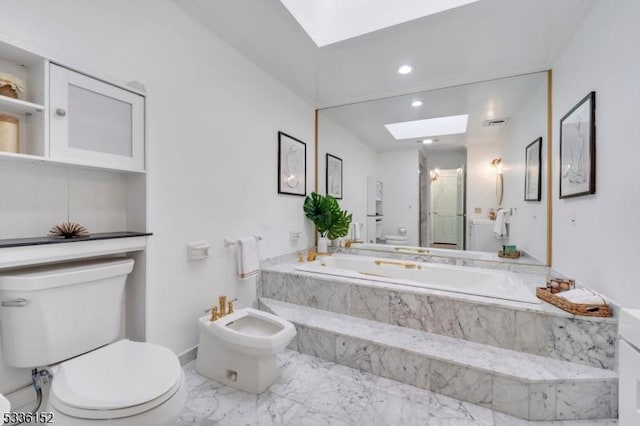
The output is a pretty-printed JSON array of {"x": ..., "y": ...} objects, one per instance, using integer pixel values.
[{"x": 447, "y": 165}]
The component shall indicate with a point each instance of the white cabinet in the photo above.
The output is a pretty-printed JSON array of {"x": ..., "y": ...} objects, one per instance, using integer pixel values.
[
  {"x": 374, "y": 197},
  {"x": 94, "y": 123}
]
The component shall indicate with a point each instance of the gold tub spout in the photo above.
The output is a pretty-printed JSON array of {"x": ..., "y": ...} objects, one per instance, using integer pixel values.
[
  {"x": 407, "y": 265},
  {"x": 410, "y": 249}
]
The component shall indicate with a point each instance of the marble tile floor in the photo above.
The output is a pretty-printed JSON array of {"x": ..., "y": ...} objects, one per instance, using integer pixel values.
[{"x": 314, "y": 392}]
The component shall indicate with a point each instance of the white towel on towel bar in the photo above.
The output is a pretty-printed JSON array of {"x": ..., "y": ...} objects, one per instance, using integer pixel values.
[
  {"x": 247, "y": 257},
  {"x": 500, "y": 227}
]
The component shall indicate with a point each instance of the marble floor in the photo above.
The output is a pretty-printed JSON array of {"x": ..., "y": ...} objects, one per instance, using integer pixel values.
[{"x": 314, "y": 392}]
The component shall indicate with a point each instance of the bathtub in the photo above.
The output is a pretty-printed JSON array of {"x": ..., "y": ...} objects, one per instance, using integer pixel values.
[{"x": 465, "y": 280}]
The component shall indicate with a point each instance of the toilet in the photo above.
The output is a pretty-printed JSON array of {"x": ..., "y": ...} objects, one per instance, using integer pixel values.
[
  {"x": 397, "y": 240},
  {"x": 239, "y": 349},
  {"x": 66, "y": 317},
  {"x": 5, "y": 406}
]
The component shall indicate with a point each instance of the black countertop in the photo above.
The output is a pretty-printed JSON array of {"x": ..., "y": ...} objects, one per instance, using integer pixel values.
[{"x": 36, "y": 241}]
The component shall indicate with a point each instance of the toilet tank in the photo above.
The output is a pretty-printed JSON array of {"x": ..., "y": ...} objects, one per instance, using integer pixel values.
[{"x": 55, "y": 312}]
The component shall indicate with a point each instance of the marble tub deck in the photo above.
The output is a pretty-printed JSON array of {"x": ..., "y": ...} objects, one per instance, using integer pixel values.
[
  {"x": 314, "y": 392},
  {"x": 539, "y": 329},
  {"x": 530, "y": 280}
]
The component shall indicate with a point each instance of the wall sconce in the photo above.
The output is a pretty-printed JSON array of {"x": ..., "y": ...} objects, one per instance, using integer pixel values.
[
  {"x": 434, "y": 175},
  {"x": 496, "y": 163}
]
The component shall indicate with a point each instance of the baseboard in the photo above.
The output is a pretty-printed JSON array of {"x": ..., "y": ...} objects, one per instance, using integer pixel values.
[{"x": 188, "y": 356}]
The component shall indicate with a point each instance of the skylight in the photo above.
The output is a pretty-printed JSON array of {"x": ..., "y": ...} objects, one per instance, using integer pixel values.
[
  {"x": 331, "y": 21},
  {"x": 441, "y": 126}
]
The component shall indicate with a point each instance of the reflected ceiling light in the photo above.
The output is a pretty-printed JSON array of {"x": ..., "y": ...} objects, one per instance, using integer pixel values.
[
  {"x": 453, "y": 125},
  {"x": 405, "y": 69},
  {"x": 427, "y": 141},
  {"x": 416, "y": 103}
]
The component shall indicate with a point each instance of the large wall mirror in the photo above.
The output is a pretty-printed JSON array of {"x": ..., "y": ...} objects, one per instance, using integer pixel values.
[{"x": 434, "y": 169}]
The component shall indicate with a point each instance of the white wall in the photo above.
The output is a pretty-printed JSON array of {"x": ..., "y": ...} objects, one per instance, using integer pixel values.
[
  {"x": 212, "y": 123},
  {"x": 528, "y": 224},
  {"x": 595, "y": 237},
  {"x": 399, "y": 173},
  {"x": 358, "y": 162}
]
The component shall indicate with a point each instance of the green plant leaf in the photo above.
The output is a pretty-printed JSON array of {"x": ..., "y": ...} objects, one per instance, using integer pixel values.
[{"x": 325, "y": 212}]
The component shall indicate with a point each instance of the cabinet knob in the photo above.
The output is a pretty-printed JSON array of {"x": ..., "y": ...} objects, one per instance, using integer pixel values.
[{"x": 61, "y": 112}]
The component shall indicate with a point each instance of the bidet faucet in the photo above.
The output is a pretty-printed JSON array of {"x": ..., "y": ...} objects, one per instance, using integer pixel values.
[{"x": 222, "y": 305}]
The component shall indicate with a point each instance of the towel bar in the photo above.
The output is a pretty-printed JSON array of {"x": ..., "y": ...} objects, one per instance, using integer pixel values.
[{"x": 228, "y": 242}]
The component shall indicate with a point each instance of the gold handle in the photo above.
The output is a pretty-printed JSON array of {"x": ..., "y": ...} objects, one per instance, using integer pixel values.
[
  {"x": 230, "y": 306},
  {"x": 417, "y": 250},
  {"x": 214, "y": 313},
  {"x": 407, "y": 265}
]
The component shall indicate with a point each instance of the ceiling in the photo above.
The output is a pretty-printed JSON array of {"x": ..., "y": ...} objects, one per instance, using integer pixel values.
[
  {"x": 483, "y": 40},
  {"x": 501, "y": 98}
]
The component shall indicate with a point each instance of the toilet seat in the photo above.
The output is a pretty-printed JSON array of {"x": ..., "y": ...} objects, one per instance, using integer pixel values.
[{"x": 118, "y": 380}]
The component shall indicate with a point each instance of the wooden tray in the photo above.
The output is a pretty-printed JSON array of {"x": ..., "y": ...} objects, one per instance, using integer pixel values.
[
  {"x": 573, "y": 308},
  {"x": 509, "y": 255}
]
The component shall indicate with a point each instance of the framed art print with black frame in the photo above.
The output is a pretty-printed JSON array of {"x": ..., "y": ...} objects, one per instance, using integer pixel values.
[
  {"x": 292, "y": 165},
  {"x": 578, "y": 149},
  {"x": 533, "y": 171}
]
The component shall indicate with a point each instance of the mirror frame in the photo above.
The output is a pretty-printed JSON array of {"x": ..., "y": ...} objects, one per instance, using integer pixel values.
[{"x": 549, "y": 174}]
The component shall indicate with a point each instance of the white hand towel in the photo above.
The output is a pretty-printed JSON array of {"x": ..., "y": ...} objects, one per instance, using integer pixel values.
[
  {"x": 500, "y": 227},
  {"x": 582, "y": 296},
  {"x": 247, "y": 258}
]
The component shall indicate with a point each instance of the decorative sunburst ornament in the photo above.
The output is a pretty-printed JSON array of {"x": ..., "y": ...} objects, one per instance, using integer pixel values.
[{"x": 68, "y": 230}]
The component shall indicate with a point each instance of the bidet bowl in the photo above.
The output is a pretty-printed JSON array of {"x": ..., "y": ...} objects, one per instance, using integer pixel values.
[{"x": 251, "y": 332}]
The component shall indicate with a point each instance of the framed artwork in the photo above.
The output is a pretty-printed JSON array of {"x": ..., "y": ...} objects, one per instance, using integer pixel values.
[
  {"x": 533, "y": 171},
  {"x": 578, "y": 149},
  {"x": 334, "y": 176},
  {"x": 292, "y": 165}
]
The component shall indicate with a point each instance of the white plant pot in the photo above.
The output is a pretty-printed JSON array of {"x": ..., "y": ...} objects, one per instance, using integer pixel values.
[{"x": 322, "y": 245}]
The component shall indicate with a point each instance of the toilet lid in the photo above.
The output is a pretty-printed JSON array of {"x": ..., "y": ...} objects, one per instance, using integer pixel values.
[{"x": 120, "y": 375}]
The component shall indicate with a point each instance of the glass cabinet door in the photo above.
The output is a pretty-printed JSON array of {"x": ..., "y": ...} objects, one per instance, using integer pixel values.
[{"x": 95, "y": 123}]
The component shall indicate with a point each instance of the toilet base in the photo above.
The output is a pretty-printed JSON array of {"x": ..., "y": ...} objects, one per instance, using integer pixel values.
[{"x": 237, "y": 370}]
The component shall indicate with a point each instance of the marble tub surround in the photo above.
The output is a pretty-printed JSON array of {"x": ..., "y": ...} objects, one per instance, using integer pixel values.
[
  {"x": 315, "y": 392},
  {"x": 535, "y": 329},
  {"x": 523, "y": 385},
  {"x": 524, "y": 264}
]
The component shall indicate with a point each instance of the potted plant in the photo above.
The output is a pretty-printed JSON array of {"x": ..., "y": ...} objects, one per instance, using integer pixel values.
[{"x": 330, "y": 220}]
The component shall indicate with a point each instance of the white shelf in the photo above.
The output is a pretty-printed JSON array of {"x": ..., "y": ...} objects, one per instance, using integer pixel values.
[
  {"x": 76, "y": 164},
  {"x": 12, "y": 257},
  {"x": 19, "y": 106}
]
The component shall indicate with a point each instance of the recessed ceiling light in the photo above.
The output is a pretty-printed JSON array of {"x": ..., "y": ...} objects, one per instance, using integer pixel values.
[
  {"x": 441, "y": 126},
  {"x": 427, "y": 141},
  {"x": 405, "y": 69},
  {"x": 416, "y": 103}
]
